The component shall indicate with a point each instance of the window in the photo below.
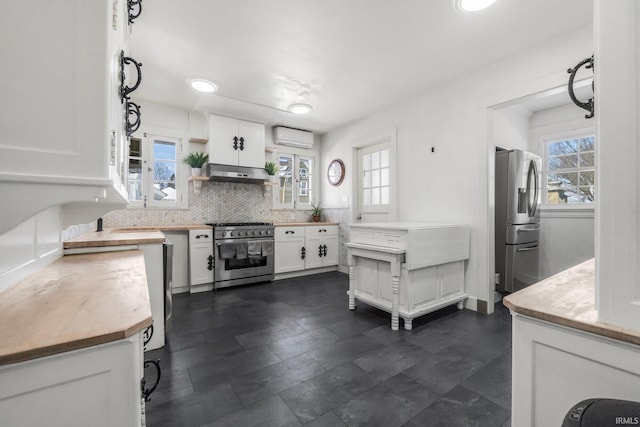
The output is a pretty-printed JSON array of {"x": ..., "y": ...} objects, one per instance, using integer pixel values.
[
  {"x": 295, "y": 187},
  {"x": 155, "y": 176},
  {"x": 375, "y": 178},
  {"x": 570, "y": 169}
]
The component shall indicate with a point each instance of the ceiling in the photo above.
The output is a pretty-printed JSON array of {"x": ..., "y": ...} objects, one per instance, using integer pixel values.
[{"x": 347, "y": 58}]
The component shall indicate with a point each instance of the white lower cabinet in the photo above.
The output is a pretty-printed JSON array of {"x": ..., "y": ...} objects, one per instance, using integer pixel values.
[
  {"x": 94, "y": 386},
  {"x": 322, "y": 246},
  {"x": 290, "y": 251},
  {"x": 180, "y": 265},
  {"x": 301, "y": 249},
  {"x": 201, "y": 260},
  {"x": 555, "y": 367}
]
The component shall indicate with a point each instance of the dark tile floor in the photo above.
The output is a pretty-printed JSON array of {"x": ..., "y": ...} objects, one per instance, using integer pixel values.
[{"x": 290, "y": 353}]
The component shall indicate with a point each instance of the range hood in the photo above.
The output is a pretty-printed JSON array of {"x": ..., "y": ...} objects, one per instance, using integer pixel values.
[{"x": 229, "y": 173}]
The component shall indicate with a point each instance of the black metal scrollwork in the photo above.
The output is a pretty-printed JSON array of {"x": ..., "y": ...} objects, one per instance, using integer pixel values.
[
  {"x": 134, "y": 9},
  {"x": 589, "y": 105},
  {"x": 132, "y": 109},
  {"x": 324, "y": 250},
  {"x": 241, "y": 143},
  {"x": 124, "y": 89},
  {"x": 210, "y": 263},
  {"x": 146, "y": 392},
  {"x": 303, "y": 253},
  {"x": 235, "y": 142},
  {"x": 146, "y": 335}
]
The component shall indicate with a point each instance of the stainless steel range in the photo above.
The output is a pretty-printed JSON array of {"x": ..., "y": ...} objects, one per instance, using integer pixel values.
[{"x": 243, "y": 253}]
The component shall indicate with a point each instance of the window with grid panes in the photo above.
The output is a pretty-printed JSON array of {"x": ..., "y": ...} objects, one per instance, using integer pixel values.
[
  {"x": 569, "y": 172},
  {"x": 295, "y": 186}
]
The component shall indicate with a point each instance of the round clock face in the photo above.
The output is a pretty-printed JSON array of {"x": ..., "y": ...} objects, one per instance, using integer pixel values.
[{"x": 335, "y": 173}]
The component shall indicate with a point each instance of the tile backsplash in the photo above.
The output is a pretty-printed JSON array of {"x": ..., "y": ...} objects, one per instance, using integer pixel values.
[{"x": 217, "y": 202}]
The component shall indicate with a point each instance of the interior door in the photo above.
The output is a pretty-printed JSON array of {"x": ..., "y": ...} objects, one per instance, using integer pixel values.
[{"x": 375, "y": 196}]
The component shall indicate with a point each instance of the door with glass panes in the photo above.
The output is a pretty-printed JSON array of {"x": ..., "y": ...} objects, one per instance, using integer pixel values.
[{"x": 374, "y": 183}]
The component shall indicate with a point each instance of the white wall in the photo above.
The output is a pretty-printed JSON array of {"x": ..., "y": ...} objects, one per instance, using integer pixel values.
[
  {"x": 31, "y": 245},
  {"x": 567, "y": 235},
  {"x": 510, "y": 128},
  {"x": 452, "y": 184}
]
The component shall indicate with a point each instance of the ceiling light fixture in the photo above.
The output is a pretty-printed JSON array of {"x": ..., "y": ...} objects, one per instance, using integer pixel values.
[
  {"x": 472, "y": 5},
  {"x": 202, "y": 85},
  {"x": 300, "y": 108}
]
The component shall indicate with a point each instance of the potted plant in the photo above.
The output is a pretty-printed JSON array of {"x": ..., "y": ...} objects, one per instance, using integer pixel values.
[
  {"x": 196, "y": 161},
  {"x": 272, "y": 169},
  {"x": 316, "y": 212}
]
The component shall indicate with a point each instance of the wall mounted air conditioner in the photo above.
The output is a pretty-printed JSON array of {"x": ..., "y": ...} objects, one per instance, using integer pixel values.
[{"x": 292, "y": 137}]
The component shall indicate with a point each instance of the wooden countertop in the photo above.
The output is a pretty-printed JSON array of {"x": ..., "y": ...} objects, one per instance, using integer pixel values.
[
  {"x": 114, "y": 237},
  {"x": 568, "y": 299},
  {"x": 182, "y": 227},
  {"x": 302, "y": 224},
  {"x": 77, "y": 301}
]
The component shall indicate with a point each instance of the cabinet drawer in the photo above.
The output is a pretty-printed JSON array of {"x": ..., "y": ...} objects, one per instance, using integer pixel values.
[
  {"x": 289, "y": 232},
  {"x": 319, "y": 230},
  {"x": 197, "y": 236}
]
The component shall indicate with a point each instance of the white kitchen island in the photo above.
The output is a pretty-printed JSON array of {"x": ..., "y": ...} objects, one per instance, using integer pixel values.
[{"x": 407, "y": 268}]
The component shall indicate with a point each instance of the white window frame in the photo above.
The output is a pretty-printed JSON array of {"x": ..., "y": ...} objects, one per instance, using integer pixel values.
[
  {"x": 296, "y": 189},
  {"x": 545, "y": 141},
  {"x": 148, "y": 200}
]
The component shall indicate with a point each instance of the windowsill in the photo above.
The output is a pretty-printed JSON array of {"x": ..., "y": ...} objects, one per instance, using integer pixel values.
[{"x": 567, "y": 211}]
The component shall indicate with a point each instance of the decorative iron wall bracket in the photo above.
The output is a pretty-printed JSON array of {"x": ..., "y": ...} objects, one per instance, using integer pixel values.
[
  {"x": 588, "y": 105},
  {"x": 132, "y": 109},
  {"x": 134, "y": 9},
  {"x": 146, "y": 392},
  {"x": 124, "y": 89}
]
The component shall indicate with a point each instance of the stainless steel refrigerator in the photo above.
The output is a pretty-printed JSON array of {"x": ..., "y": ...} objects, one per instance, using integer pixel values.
[{"x": 517, "y": 227}]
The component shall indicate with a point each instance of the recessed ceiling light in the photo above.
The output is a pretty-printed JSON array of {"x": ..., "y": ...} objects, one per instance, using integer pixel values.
[
  {"x": 202, "y": 85},
  {"x": 300, "y": 108},
  {"x": 472, "y": 5}
]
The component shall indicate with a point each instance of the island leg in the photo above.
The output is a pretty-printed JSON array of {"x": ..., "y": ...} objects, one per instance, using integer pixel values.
[
  {"x": 408, "y": 325},
  {"x": 460, "y": 305},
  {"x": 352, "y": 291},
  {"x": 395, "y": 289}
]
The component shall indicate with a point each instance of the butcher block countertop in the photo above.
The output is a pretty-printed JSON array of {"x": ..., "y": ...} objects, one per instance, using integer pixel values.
[
  {"x": 568, "y": 299},
  {"x": 303, "y": 224},
  {"x": 78, "y": 301},
  {"x": 182, "y": 227},
  {"x": 114, "y": 237}
]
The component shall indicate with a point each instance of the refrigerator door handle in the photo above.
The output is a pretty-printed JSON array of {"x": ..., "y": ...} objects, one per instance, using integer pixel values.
[
  {"x": 532, "y": 204},
  {"x": 524, "y": 230},
  {"x": 532, "y": 248}
]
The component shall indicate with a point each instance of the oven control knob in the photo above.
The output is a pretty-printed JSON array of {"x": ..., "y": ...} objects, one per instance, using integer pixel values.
[
  {"x": 231, "y": 233},
  {"x": 261, "y": 232},
  {"x": 255, "y": 232},
  {"x": 225, "y": 233}
]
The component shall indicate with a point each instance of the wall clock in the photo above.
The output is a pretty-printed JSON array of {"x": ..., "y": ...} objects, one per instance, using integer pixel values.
[{"x": 335, "y": 173}]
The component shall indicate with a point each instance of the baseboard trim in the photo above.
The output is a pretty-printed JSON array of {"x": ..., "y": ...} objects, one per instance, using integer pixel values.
[{"x": 302, "y": 273}]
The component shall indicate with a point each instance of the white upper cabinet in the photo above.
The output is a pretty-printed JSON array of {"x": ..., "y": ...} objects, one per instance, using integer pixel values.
[
  {"x": 236, "y": 142},
  {"x": 62, "y": 131}
]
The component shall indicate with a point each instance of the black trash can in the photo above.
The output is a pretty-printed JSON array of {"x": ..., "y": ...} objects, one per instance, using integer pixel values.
[{"x": 603, "y": 413}]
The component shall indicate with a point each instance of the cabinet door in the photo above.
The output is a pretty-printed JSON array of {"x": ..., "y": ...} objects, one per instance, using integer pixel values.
[
  {"x": 252, "y": 135},
  {"x": 199, "y": 263},
  {"x": 222, "y": 131},
  {"x": 288, "y": 255},
  {"x": 77, "y": 146},
  {"x": 314, "y": 251},
  {"x": 331, "y": 253},
  {"x": 451, "y": 276}
]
